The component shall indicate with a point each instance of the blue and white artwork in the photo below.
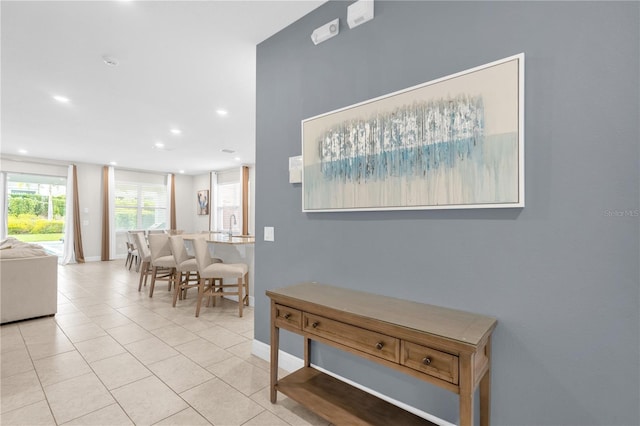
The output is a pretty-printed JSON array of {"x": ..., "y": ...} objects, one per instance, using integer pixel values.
[{"x": 455, "y": 142}]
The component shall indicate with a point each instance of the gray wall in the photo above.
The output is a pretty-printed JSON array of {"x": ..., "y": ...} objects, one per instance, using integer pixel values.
[{"x": 561, "y": 275}]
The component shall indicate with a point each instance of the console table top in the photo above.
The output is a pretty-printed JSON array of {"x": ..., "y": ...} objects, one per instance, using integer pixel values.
[{"x": 449, "y": 323}]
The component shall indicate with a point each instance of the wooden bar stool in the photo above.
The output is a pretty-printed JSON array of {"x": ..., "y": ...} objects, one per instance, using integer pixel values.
[
  {"x": 215, "y": 273},
  {"x": 186, "y": 268}
]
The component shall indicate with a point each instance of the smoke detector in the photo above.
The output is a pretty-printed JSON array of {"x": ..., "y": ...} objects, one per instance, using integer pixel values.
[{"x": 110, "y": 61}]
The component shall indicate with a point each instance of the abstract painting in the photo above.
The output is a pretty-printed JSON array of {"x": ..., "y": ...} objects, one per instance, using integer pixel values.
[
  {"x": 452, "y": 143},
  {"x": 203, "y": 202}
]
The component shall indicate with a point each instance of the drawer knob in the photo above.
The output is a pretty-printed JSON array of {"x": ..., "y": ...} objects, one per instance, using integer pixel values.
[
  {"x": 426, "y": 360},
  {"x": 287, "y": 315},
  {"x": 315, "y": 324},
  {"x": 379, "y": 345}
]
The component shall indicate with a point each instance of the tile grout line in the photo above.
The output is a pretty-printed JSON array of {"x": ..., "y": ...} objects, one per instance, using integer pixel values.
[
  {"x": 115, "y": 401},
  {"x": 38, "y": 376},
  {"x": 147, "y": 368},
  {"x": 98, "y": 377},
  {"x": 126, "y": 384},
  {"x": 140, "y": 306}
]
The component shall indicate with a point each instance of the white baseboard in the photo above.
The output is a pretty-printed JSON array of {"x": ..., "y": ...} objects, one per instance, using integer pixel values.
[
  {"x": 286, "y": 361},
  {"x": 292, "y": 363}
]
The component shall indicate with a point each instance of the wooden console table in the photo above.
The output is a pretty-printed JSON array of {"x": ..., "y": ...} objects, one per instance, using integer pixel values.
[{"x": 448, "y": 348}]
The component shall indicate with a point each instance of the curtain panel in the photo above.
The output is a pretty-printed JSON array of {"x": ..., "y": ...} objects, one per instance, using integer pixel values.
[
  {"x": 172, "y": 203},
  {"x": 72, "y": 250},
  {"x": 104, "y": 252}
]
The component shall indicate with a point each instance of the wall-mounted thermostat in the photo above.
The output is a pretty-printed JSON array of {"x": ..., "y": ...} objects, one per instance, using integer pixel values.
[{"x": 295, "y": 169}]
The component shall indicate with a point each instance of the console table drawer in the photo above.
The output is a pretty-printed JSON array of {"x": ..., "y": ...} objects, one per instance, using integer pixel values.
[
  {"x": 287, "y": 317},
  {"x": 367, "y": 341},
  {"x": 430, "y": 361}
]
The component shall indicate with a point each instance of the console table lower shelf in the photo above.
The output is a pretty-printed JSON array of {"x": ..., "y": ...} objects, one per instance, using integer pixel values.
[
  {"x": 342, "y": 404},
  {"x": 445, "y": 347}
]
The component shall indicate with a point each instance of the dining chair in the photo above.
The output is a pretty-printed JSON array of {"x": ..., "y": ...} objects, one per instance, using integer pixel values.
[
  {"x": 131, "y": 237},
  {"x": 145, "y": 258},
  {"x": 186, "y": 268},
  {"x": 213, "y": 274},
  {"x": 132, "y": 252},
  {"x": 163, "y": 266}
]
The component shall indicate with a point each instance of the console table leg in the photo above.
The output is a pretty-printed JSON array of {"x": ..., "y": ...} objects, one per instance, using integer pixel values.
[
  {"x": 466, "y": 391},
  {"x": 307, "y": 352},
  {"x": 466, "y": 410},
  {"x": 485, "y": 402},
  {"x": 275, "y": 343},
  {"x": 485, "y": 390}
]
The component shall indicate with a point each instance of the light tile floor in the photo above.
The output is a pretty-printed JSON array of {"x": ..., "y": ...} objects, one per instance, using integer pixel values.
[{"x": 114, "y": 356}]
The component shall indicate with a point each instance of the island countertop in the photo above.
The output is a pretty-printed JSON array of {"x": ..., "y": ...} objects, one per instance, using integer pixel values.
[{"x": 221, "y": 238}]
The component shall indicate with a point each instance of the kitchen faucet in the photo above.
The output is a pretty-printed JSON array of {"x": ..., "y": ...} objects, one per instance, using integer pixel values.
[{"x": 235, "y": 222}]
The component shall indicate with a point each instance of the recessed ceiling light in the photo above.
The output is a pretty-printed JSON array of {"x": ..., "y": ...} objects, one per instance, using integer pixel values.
[
  {"x": 176, "y": 131},
  {"x": 23, "y": 151},
  {"x": 181, "y": 172},
  {"x": 228, "y": 151},
  {"x": 237, "y": 158},
  {"x": 113, "y": 163},
  {"x": 222, "y": 112},
  {"x": 159, "y": 145},
  {"x": 61, "y": 99}
]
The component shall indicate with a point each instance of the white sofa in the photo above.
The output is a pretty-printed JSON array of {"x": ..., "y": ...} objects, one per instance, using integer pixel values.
[{"x": 28, "y": 281}]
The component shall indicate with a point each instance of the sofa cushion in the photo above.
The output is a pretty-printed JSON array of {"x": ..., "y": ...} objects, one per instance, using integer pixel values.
[{"x": 12, "y": 248}]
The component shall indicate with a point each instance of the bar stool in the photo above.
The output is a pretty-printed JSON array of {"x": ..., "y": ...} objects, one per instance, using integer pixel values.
[
  {"x": 186, "y": 268},
  {"x": 215, "y": 273},
  {"x": 162, "y": 262}
]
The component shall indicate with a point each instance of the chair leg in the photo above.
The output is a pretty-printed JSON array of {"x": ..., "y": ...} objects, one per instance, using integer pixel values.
[
  {"x": 147, "y": 272},
  {"x": 214, "y": 298},
  {"x": 246, "y": 289},
  {"x": 177, "y": 289},
  {"x": 200, "y": 294},
  {"x": 180, "y": 284},
  {"x": 240, "y": 298},
  {"x": 143, "y": 275},
  {"x": 154, "y": 271}
]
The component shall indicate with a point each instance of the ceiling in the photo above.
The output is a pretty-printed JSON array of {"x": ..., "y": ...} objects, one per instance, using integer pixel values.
[{"x": 178, "y": 62}]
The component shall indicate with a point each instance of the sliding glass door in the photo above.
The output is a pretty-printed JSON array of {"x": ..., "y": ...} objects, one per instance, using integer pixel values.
[{"x": 36, "y": 207}]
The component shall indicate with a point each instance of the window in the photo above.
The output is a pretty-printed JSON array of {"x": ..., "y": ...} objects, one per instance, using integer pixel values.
[
  {"x": 140, "y": 201},
  {"x": 140, "y": 206},
  {"x": 229, "y": 201}
]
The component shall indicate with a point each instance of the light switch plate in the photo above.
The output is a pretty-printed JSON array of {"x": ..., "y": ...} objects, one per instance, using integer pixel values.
[{"x": 269, "y": 234}]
